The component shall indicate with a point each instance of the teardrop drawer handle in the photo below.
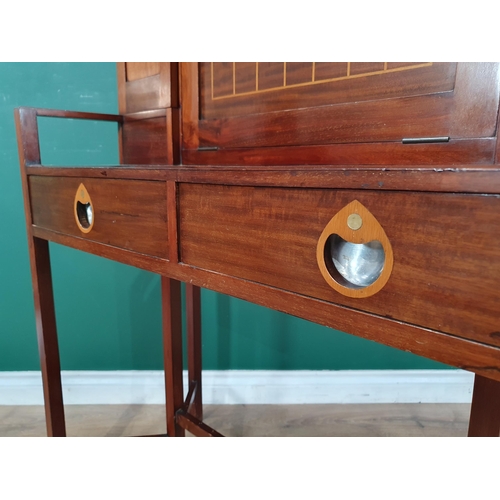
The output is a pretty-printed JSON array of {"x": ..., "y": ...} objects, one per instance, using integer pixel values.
[
  {"x": 84, "y": 210},
  {"x": 354, "y": 254}
]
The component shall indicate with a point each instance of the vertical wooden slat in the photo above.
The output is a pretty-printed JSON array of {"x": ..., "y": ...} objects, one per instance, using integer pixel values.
[
  {"x": 121, "y": 74},
  {"x": 193, "y": 311},
  {"x": 173, "y": 136},
  {"x": 169, "y": 85},
  {"x": 27, "y": 137},
  {"x": 172, "y": 346},
  {"x": 173, "y": 254},
  {"x": 190, "y": 105},
  {"x": 485, "y": 410}
]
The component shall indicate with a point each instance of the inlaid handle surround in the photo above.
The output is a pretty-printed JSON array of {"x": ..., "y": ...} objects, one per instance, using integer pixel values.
[
  {"x": 354, "y": 254},
  {"x": 83, "y": 210}
]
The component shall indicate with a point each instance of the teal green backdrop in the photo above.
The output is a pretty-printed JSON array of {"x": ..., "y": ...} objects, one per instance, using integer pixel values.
[{"x": 108, "y": 314}]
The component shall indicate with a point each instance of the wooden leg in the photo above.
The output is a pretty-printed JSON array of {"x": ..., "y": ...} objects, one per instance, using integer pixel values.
[
  {"x": 47, "y": 337},
  {"x": 172, "y": 348},
  {"x": 485, "y": 410},
  {"x": 193, "y": 310}
]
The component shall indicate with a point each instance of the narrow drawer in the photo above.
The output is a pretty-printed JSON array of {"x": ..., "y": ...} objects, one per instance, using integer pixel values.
[
  {"x": 129, "y": 214},
  {"x": 446, "y": 249}
]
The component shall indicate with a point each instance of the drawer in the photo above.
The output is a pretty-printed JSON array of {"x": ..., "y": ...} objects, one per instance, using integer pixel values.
[
  {"x": 128, "y": 214},
  {"x": 446, "y": 249}
]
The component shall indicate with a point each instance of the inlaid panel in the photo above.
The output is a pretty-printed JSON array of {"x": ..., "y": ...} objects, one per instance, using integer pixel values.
[{"x": 229, "y": 89}]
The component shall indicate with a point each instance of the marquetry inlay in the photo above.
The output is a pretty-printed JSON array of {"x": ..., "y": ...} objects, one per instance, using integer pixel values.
[{"x": 318, "y": 74}]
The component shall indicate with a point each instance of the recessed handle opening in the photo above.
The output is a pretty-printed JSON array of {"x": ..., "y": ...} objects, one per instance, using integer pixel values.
[
  {"x": 83, "y": 210},
  {"x": 85, "y": 214},
  {"x": 354, "y": 265}
]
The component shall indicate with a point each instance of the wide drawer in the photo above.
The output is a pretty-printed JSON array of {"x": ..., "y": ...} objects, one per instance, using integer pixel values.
[
  {"x": 446, "y": 249},
  {"x": 128, "y": 214}
]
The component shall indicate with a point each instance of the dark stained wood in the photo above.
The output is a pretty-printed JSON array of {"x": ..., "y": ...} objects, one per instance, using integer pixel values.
[
  {"x": 138, "y": 70},
  {"x": 485, "y": 409},
  {"x": 169, "y": 75},
  {"x": 358, "y": 68},
  {"x": 145, "y": 115},
  {"x": 27, "y": 137},
  {"x": 223, "y": 79},
  {"x": 190, "y": 107},
  {"x": 153, "y": 86},
  {"x": 121, "y": 77},
  {"x": 465, "y": 179},
  {"x": 471, "y": 179},
  {"x": 329, "y": 70},
  {"x": 271, "y": 94},
  {"x": 497, "y": 148},
  {"x": 455, "y": 152},
  {"x": 462, "y": 105},
  {"x": 251, "y": 212},
  {"x": 143, "y": 94},
  {"x": 297, "y": 72},
  {"x": 146, "y": 142},
  {"x": 193, "y": 315},
  {"x": 441, "y": 347},
  {"x": 245, "y": 77},
  {"x": 127, "y": 214},
  {"x": 137, "y": 172},
  {"x": 371, "y": 121},
  {"x": 270, "y": 75},
  {"x": 47, "y": 337},
  {"x": 443, "y": 244},
  {"x": 172, "y": 345},
  {"x": 476, "y": 101},
  {"x": 173, "y": 136},
  {"x": 172, "y": 230},
  {"x": 195, "y": 426},
  {"x": 193, "y": 387},
  {"x": 146, "y": 262},
  {"x": 393, "y": 65},
  {"x": 78, "y": 115}
]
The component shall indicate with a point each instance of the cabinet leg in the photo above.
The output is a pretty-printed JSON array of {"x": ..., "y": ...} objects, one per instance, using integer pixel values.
[
  {"x": 47, "y": 337},
  {"x": 172, "y": 348},
  {"x": 193, "y": 310},
  {"x": 485, "y": 409}
]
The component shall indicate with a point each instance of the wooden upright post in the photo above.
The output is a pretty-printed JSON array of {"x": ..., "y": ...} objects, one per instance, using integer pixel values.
[
  {"x": 172, "y": 345},
  {"x": 193, "y": 312},
  {"x": 485, "y": 409}
]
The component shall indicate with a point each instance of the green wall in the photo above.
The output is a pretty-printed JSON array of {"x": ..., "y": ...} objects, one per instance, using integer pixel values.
[{"x": 109, "y": 314}]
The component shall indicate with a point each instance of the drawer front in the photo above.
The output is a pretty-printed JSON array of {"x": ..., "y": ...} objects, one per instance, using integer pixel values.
[
  {"x": 446, "y": 248},
  {"x": 127, "y": 214}
]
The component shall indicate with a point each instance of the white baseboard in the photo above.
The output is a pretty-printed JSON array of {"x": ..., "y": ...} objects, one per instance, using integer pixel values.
[{"x": 250, "y": 387}]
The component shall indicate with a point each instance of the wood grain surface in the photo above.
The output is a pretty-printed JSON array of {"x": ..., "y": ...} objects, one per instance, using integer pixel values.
[
  {"x": 444, "y": 246},
  {"x": 127, "y": 214}
]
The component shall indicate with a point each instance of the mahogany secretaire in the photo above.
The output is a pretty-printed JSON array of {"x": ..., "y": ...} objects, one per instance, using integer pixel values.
[{"x": 362, "y": 196}]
